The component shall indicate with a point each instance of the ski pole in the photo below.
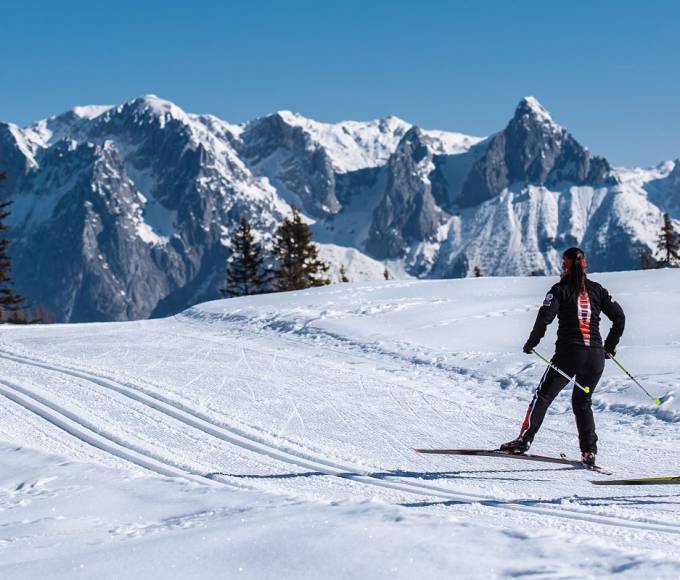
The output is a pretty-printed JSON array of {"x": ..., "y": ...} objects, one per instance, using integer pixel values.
[
  {"x": 657, "y": 400},
  {"x": 586, "y": 390}
]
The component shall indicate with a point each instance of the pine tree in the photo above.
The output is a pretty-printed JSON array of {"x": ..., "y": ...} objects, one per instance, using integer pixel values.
[
  {"x": 298, "y": 265},
  {"x": 386, "y": 274},
  {"x": 246, "y": 273},
  {"x": 477, "y": 273},
  {"x": 10, "y": 302},
  {"x": 343, "y": 274},
  {"x": 647, "y": 261},
  {"x": 667, "y": 244}
]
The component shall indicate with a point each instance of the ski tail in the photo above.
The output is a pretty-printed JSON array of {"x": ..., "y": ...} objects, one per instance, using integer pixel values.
[
  {"x": 668, "y": 480},
  {"x": 563, "y": 460}
]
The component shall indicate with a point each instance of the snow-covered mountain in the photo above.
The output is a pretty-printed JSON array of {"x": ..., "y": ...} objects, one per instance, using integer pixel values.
[{"x": 124, "y": 212}]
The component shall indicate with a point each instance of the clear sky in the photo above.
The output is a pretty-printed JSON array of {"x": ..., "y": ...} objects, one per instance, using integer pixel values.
[{"x": 607, "y": 69}]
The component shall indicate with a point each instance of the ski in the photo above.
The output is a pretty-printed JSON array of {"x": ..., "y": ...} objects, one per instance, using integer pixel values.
[
  {"x": 563, "y": 460},
  {"x": 670, "y": 480}
]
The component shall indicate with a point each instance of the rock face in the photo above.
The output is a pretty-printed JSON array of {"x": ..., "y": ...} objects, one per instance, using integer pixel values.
[
  {"x": 287, "y": 154},
  {"x": 408, "y": 212},
  {"x": 532, "y": 150},
  {"x": 82, "y": 262},
  {"x": 124, "y": 215},
  {"x": 124, "y": 212}
]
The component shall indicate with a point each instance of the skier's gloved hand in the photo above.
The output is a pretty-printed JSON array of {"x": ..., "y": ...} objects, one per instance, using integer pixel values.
[
  {"x": 528, "y": 348},
  {"x": 609, "y": 349}
]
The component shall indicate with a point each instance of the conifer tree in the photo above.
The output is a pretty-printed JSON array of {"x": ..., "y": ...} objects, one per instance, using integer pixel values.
[
  {"x": 647, "y": 262},
  {"x": 10, "y": 302},
  {"x": 386, "y": 274},
  {"x": 667, "y": 244},
  {"x": 477, "y": 273},
  {"x": 297, "y": 258},
  {"x": 246, "y": 273},
  {"x": 343, "y": 274}
]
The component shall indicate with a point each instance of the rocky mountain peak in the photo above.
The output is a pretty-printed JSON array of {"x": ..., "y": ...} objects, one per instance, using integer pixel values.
[
  {"x": 408, "y": 211},
  {"x": 530, "y": 109},
  {"x": 532, "y": 150},
  {"x": 148, "y": 109},
  {"x": 413, "y": 144}
]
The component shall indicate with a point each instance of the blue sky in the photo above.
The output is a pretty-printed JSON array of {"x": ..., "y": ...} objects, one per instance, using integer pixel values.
[{"x": 607, "y": 70}]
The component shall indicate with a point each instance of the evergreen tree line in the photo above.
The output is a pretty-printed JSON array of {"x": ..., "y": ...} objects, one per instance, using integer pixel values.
[
  {"x": 667, "y": 248},
  {"x": 292, "y": 264}
]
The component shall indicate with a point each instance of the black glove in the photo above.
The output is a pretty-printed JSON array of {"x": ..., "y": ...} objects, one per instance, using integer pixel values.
[
  {"x": 609, "y": 350},
  {"x": 528, "y": 348}
]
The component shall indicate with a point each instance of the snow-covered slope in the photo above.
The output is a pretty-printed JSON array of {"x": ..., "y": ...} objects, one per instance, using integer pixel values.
[
  {"x": 272, "y": 436},
  {"x": 123, "y": 212}
]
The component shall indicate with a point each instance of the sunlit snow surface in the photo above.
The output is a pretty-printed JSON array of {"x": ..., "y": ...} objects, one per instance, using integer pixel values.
[{"x": 272, "y": 436}]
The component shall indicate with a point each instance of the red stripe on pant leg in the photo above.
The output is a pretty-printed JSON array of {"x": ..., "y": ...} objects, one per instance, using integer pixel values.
[{"x": 527, "y": 419}]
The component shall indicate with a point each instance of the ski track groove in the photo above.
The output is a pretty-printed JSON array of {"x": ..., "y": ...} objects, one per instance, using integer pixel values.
[
  {"x": 89, "y": 434},
  {"x": 236, "y": 437}
]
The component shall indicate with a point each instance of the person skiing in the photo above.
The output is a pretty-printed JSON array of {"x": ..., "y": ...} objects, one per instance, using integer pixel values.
[{"x": 577, "y": 302}]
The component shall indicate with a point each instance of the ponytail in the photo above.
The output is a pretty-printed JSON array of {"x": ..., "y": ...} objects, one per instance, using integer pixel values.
[{"x": 574, "y": 266}]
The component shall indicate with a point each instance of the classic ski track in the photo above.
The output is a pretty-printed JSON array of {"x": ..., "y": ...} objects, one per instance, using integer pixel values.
[
  {"x": 47, "y": 410},
  {"x": 89, "y": 434}
]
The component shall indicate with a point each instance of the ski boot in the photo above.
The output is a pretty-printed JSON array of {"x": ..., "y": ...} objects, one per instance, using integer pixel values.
[
  {"x": 588, "y": 458},
  {"x": 517, "y": 446}
]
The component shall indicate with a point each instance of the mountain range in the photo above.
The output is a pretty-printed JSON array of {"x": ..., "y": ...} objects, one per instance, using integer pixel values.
[{"x": 124, "y": 212}]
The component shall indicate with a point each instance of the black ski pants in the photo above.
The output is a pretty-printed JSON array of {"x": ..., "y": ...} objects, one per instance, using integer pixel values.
[{"x": 586, "y": 364}]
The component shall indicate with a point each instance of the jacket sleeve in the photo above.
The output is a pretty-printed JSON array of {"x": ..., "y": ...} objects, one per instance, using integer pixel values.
[
  {"x": 614, "y": 312},
  {"x": 546, "y": 314}
]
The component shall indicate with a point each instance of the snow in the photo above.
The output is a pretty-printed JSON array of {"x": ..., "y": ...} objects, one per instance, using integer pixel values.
[
  {"x": 450, "y": 143},
  {"x": 24, "y": 144},
  {"x": 358, "y": 266},
  {"x": 538, "y": 110},
  {"x": 354, "y": 145},
  {"x": 159, "y": 223},
  {"x": 638, "y": 176},
  {"x": 90, "y": 111},
  {"x": 147, "y": 234},
  {"x": 271, "y": 437},
  {"x": 159, "y": 108}
]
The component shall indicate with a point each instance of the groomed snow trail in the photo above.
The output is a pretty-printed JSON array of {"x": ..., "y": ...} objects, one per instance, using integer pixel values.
[
  {"x": 321, "y": 396},
  {"x": 88, "y": 433}
]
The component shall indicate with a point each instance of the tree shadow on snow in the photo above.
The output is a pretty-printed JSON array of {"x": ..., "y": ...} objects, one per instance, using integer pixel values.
[{"x": 493, "y": 474}]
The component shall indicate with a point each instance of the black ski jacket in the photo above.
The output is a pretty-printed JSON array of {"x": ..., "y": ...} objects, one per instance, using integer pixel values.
[{"x": 579, "y": 317}]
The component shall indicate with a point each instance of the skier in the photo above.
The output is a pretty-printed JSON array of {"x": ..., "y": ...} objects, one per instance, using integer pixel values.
[{"x": 577, "y": 303}]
